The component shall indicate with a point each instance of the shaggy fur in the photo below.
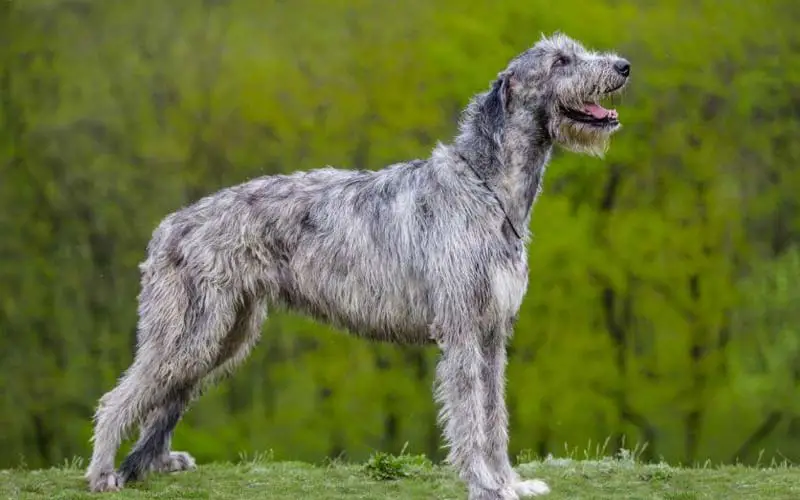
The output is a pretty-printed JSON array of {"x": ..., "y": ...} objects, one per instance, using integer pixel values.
[{"x": 428, "y": 251}]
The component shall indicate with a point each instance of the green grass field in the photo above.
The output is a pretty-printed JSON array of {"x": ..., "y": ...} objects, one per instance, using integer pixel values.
[{"x": 413, "y": 477}]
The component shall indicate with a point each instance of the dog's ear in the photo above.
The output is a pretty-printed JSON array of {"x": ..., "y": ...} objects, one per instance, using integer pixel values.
[
  {"x": 507, "y": 81},
  {"x": 498, "y": 101}
]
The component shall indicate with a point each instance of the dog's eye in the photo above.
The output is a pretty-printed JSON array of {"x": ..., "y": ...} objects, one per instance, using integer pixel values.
[{"x": 561, "y": 61}]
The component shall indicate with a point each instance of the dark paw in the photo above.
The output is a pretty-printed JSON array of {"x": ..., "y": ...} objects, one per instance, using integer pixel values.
[{"x": 176, "y": 461}]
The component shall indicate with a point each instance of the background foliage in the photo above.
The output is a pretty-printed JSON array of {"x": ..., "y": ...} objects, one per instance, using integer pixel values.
[{"x": 663, "y": 290}]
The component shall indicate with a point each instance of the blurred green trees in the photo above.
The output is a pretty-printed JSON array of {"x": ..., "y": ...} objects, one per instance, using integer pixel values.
[{"x": 663, "y": 291}]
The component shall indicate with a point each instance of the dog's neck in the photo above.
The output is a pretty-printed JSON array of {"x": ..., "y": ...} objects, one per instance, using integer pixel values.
[{"x": 511, "y": 161}]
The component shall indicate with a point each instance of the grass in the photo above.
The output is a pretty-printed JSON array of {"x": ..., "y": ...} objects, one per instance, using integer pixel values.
[{"x": 406, "y": 477}]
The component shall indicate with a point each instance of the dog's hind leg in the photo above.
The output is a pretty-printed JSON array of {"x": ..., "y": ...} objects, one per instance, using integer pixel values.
[
  {"x": 493, "y": 375},
  {"x": 152, "y": 451},
  {"x": 180, "y": 337},
  {"x": 117, "y": 411},
  {"x": 156, "y": 434}
]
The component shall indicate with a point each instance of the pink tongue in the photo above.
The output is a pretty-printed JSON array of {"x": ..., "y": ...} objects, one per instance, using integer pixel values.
[{"x": 600, "y": 112}]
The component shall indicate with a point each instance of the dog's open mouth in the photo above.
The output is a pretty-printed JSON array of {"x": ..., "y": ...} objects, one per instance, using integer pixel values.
[{"x": 593, "y": 113}]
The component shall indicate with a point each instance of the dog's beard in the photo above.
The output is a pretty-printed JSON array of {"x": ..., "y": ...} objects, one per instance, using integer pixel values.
[{"x": 582, "y": 137}]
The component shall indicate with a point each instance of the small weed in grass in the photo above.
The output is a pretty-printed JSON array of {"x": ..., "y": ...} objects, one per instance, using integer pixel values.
[{"x": 386, "y": 467}]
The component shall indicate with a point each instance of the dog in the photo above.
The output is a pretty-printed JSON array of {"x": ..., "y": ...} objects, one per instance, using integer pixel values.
[{"x": 423, "y": 252}]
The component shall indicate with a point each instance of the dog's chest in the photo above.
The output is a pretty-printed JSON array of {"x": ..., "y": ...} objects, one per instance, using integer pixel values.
[{"x": 508, "y": 284}]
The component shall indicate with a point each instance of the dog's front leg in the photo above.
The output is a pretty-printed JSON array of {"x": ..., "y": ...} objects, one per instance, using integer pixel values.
[
  {"x": 461, "y": 394},
  {"x": 493, "y": 378},
  {"x": 494, "y": 368}
]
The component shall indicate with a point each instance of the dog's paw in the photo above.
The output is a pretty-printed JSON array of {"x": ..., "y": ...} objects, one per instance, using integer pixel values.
[
  {"x": 506, "y": 493},
  {"x": 176, "y": 461},
  {"x": 509, "y": 493},
  {"x": 105, "y": 481},
  {"x": 531, "y": 488}
]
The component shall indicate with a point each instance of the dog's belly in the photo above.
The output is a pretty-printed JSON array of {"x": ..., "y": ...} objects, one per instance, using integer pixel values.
[{"x": 392, "y": 312}]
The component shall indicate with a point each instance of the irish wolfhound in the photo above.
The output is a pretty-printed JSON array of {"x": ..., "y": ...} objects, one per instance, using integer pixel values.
[{"x": 429, "y": 251}]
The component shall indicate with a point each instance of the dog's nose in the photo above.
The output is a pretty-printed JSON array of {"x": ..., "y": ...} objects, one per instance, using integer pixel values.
[{"x": 623, "y": 67}]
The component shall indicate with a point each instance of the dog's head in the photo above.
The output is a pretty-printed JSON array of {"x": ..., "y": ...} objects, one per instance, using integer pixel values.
[{"x": 559, "y": 84}]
